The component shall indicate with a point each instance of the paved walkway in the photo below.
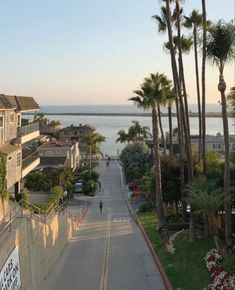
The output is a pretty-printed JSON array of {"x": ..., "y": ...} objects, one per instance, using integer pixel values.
[{"x": 108, "y": 252}]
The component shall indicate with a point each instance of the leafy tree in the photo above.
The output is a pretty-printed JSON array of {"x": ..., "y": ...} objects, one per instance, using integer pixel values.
[
  {"x": 135, "y": 160},
  {"x": 36, "y": 181},
  {"x": 213, "y": 164},
  {"x": 171, "y": 180}
]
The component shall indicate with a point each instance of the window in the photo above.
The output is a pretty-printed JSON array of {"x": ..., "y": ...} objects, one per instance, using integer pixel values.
[
  {"x": 1, "y": 121},
  {"x": 12, "y": 117},
  {"x": 18, "y": 159},
  {"x": 18, "y": 120},
  {"x": 216, "y": 146}
]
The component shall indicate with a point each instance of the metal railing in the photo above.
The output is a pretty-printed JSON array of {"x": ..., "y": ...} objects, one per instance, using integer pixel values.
[
  {"x": 27, "y": 129},
  {"x": 30, "y": 159},
  {"x": 33, "y": 211},
  {"x": 9, "y": 217}
]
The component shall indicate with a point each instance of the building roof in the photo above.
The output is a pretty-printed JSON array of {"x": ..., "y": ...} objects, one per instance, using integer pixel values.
[
  {"x": 18, "y": 102},
  {"x": 5, "y": 103},
  {"x": 57, "y": 144},
  {"x": 9, "y": 149},
  {"x": 80, "y": 128}
]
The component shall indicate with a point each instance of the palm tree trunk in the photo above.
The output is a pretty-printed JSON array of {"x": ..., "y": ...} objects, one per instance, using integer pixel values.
[
  {"x": 204, "y": 89},
  {"x": 170, "y": 129},
  {"x": 161, "y": 129},
  {"x": 198, "y": 95},
  {"x": 182, "y": 154},
  {"x": 227, "y": 203},
  {"x": 185, "y": 103},
  {"x": 157, "y": 168},
  {"x": 90, "y": 160},
  {"x": 192, "y": 234},
  {"x": 206, "y": 225}
]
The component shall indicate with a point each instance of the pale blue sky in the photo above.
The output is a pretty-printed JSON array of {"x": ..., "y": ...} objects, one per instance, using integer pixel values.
[{"x": 90, "y": 51}]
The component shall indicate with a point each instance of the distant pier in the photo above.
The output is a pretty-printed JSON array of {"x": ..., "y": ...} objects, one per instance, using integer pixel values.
[{"x": 191, "y": 114}]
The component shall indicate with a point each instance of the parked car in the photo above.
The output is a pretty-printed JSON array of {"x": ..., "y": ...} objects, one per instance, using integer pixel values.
[{"x": 78, "y": 187}]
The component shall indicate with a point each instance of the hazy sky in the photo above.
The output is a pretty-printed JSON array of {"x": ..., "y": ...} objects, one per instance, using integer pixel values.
[{"x": 91, "y": 51}]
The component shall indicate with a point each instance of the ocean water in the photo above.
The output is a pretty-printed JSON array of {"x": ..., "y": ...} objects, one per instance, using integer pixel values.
[{"x": 108, "y": 126}]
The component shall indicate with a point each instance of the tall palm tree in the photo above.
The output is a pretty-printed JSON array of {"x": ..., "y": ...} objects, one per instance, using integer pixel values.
[
  {"x": 177, "y": 86},
  {"x": 123, "y": 137},
  {"x": 178, "y": 16},
  {"x": 92, "y": 141},
  {"x": 147, "y": 98},
  {"x": 161, "y": 100},
  {"x": 138, "y": 133},
  {"x": 220, "y": 50},
  {"x": 170, "y": 98},
  {"x": 204, "y": 88},
  {"x": 194, "y": 21}
]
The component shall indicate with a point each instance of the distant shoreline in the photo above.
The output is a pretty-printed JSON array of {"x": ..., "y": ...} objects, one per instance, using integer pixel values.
[{"x": 191, "y": 114}]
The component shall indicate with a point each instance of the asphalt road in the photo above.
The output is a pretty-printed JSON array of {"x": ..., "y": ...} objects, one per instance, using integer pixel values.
[{"x": 108, "y": 252}]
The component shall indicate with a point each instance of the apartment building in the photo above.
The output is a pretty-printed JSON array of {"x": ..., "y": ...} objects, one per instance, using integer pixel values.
[
  {"x": 15, "y": 137},
  {"x": 57, "y": 153}
]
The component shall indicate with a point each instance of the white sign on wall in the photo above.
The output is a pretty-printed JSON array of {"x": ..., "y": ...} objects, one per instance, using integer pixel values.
[{"x": 10, "y": 272}]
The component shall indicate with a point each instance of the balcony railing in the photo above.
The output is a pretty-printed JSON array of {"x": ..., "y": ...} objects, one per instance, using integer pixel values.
[
  {"x": 30, "y": 159},
  {"x": 27, "y": 129}
]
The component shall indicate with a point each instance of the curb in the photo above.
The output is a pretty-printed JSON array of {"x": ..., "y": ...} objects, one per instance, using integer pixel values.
[{"x": 155, "y": 257}]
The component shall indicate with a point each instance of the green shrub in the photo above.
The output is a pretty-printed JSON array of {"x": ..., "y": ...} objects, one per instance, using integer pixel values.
[
  {"x": 135, "y": 159},
  {"x": 37, "y": 181},
  {"x": 146, "y": 207},
  {"x": 90, "y": 186}
]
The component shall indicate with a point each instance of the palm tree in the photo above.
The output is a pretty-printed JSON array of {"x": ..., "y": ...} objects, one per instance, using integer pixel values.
[
  {"x": 194, "y": 21},
  {"x": 170, "y": 98},
  {"x": 123, "y": 137},
  {"x": 92, "y": 141},
  {"x": 161, "y": 100},
  {"x": 138, "y": 133},
  {"x": 147, "y": 98},
  {"x": 220, "y": 50},
  {"x": 205, "y": 199},
  {"x": 204, "y": 88},
  {"x": 181, "y": 110}
]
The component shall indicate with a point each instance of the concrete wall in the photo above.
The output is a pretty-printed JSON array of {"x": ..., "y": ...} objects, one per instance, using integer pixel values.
[
  {"x": 9, "y": 129},
  {"x": 13, "y": 168},
  {"x": 40, "y": 245}
]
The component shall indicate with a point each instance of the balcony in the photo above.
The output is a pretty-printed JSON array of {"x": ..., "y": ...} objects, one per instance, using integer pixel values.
[
  {"x": 29, "y": 163},
  {"x": 28, "y": 132}
]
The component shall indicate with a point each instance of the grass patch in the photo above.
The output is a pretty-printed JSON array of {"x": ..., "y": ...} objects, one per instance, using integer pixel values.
[{"x": 185, "y": 268}]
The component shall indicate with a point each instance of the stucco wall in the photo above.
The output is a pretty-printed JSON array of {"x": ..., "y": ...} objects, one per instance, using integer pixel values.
[
  {"x": 9, "y": 130},
  {"x": 40, "y": 246}
]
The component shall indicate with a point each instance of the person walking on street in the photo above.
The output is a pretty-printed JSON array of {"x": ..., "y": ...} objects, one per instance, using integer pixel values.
[{"x": 101, "y": 206}]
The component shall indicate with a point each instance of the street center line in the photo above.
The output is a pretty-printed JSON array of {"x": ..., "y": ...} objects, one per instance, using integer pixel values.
[{"x": 104, "y": 276}]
